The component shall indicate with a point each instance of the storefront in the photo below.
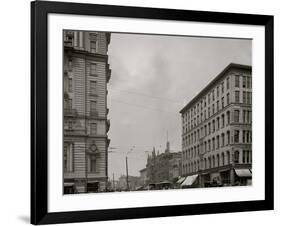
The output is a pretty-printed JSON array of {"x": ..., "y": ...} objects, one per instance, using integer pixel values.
[
  {"x": 190, "y": 182},
  {"x": 93, "y": 186},
  {"x": 243, "y": 177}
]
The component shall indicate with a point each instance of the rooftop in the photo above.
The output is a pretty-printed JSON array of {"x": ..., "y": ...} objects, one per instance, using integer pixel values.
[{"x": 217, "y": 78}]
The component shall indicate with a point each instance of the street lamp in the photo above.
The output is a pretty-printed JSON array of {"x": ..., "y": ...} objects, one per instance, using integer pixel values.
[{"x": 127, "y": 174}]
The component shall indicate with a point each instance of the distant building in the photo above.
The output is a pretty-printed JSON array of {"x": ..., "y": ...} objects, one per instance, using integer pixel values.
[
  {"x": 217, "y": 130},
  {"x": 86, "y": 73},
  {"x": 175, "y": 167},
  {"x": 134, "y": 182},
  {"x": 163, "y": 167},
  {"x": 143, "y": 177}
]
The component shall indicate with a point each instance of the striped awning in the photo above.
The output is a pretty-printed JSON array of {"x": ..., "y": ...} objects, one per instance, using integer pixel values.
[
  {"x": 180, "y": 180},
  {"x": 243, "y": 172},
  {"x": 189, "y": 180}
]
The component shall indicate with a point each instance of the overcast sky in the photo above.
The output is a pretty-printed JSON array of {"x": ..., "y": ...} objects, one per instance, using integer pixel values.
[{"x": 152, "y": 78}]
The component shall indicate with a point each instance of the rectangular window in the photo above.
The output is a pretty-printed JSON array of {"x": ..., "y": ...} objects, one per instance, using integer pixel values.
[
  {"x": 249, "y": 83},
  {"x": 244, "y": 156},
  {"x": 70, "y": 85},
  {"x": 237, "y": 97},
  {"x": 93, "y": 106},
  {"x": 236, "y": 116},
  {"x": 249, "y": 97},
  {"x": 93, "y": 69},
  {"x": 93, "y": 128},
  {"x": 213, "y": 92},
  {"x": 244, "y": 82},
  {"x": 237, "y": 81},
  {"x": 218, "y": 105},
  {"x": 93, "y": 46},
  {"x": 92, "y": 164},
  {"x": 222, "y": 102},
  {"x": 244, "y": 98},
  {"x": 218, "y": 91},
  {"x": 93, "y": 87},
  {"x": 222, "y": 87},
  {"x": 68, "y": 157}
]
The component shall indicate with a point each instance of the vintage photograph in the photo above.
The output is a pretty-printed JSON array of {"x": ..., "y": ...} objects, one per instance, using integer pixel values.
[{"x": 149, "y": 112}]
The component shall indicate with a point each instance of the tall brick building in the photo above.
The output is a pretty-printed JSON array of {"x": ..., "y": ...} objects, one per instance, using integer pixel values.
[
  {"x": 86, "y": 73},
  {"x": 217, "y": 130}
]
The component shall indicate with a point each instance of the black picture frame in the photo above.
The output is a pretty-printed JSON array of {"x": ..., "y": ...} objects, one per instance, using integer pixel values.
[{"x": 39, "y": 112}]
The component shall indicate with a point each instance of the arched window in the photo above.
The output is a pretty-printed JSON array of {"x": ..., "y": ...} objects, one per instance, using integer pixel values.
[
  {"x": 214, "y": 161},
  {"x": 218, "y": 160},
  {"x": 222, "y": 139},
  {"x": 222, "y": 158},
  {"x": 228, "y": 137},
  {"x": 222, "y": 120},
  {"x": 227, "y": 117},
  {"x": 218, "y": 142}
]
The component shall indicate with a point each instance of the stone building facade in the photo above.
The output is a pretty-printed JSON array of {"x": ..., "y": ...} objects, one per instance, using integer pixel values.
[
  {"x": 85, "y": 73},
  {"x": 163, "y": 167},
  {"x": 217, "y": 130}
]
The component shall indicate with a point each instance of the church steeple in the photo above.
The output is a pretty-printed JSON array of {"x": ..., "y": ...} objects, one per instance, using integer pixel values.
[{"x": 167, "y": 150}]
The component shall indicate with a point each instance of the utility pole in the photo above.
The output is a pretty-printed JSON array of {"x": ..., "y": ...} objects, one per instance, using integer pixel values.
[
  {"x": 113, "y": 182},
  {"x": 127, "y": 176}
]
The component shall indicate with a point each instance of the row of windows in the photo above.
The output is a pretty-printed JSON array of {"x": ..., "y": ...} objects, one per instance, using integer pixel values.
[
  {"x": 247, "y": 99},
  {"x": 93, "y": 105},
  {"x": 93, "y": 67},
  {"x": 68, "y": 159},
  {"x": 208, "y": 128},
  {"x": 217, "y": 161},
  {"x": 216, "y": 142},
  {"x": 239, "y": 116},
  {"x": 210, "y": 97},
  {"x": 69, "y": 125},
  {"x": 93, "y": 86},
  {"x": 76, "y": 39},
  {"x": 246, "y": 81}
]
